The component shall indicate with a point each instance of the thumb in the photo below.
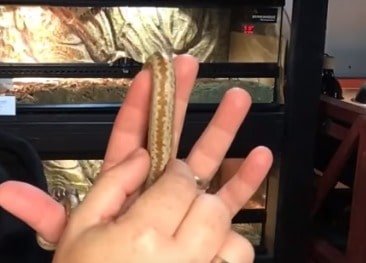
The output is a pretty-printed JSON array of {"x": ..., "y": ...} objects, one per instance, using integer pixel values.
[{"x": 34, "y": 207}]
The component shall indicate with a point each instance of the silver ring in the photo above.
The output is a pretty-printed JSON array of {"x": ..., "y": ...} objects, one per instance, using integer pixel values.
[
  {"x": 69, "y": 199},
  {"x": 202, "y": 185},
  {"x": 46, "y": 245},
  {"x": 218, "y": 259}
]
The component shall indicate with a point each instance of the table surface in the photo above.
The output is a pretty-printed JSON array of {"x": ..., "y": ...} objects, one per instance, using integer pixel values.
[{"x": 347, "y": 103}]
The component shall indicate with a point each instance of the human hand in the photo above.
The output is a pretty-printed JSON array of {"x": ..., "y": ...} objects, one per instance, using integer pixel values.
[
  {"x": 46, "y": 216},
  {"x": 173, "y": 221}
]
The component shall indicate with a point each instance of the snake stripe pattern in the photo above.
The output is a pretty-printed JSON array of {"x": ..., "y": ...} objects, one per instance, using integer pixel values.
[{"x": 160, "y": 131}]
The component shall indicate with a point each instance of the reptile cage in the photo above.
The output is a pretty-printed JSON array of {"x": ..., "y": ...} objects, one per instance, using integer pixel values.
[{"x": 69, "y": 64}]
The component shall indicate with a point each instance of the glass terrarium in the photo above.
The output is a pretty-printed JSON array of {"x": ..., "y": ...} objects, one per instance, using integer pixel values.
[
  {"x": 61, "y": 56},
  {"x": 75, "y": 55}
]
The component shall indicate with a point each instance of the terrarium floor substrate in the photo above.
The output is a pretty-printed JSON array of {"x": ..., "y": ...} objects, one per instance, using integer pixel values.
[{"x": 79, "y": 91}]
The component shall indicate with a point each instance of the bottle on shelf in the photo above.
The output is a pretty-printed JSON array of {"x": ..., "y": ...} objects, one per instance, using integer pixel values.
[{"x": 330, "y": 84}]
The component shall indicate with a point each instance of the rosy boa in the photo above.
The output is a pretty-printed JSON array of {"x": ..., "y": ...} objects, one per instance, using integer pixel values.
[
  {"x": 161, "y": 143},
  {"x": 160, "y": 132}
]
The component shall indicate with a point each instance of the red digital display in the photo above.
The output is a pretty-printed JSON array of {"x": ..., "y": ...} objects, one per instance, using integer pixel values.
[{"x": 248, "y": 29}]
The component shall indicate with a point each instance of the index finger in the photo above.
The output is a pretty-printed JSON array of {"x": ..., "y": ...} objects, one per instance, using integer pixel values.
[
  {"x": 130, "y": 127},
  {"x": 130, "y": 124}
]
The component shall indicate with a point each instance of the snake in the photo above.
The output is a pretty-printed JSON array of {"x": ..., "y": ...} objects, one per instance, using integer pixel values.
[
  {"x": 160, "y": 143},
  {"x": 160, "y": 134}
]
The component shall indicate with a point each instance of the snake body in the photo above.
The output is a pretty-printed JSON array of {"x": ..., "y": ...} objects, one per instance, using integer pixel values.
[{"x": 160, "y": 132}]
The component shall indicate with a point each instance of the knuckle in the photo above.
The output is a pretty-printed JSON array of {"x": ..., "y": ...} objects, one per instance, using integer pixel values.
[
  {"x": 247, "y": 248},
  {"x": 250, "y": 249},
  {"x": 247, "y": 251},
  {"x": 182, "y": 173},
  {"x": 213, "y": 203},
  {"x": 146, "y": 240}
]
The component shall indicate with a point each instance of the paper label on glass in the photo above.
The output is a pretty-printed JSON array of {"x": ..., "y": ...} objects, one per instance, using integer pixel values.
[{"x": 7, "y": 106}]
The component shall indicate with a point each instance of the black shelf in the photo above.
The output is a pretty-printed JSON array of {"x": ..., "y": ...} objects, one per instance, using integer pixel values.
[
  {"x": 263, "y": 258},
  {"x": 62, "y": 132},
  {"x": 114, "y": 107},
  {"x": 102, "y": 70},
  {"x": 166, "y": 3},
  {"x": 250, "y": 216}
]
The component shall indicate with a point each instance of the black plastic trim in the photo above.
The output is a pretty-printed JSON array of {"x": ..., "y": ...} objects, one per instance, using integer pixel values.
[
  {"x": 250, "y": 216},
  {"x": 114, "y": 107},
  {"x": 166, "y": 3},
  {"x": 102, "y": 70}
]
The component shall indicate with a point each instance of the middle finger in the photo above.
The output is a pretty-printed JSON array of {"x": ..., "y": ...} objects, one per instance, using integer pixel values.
[{"x": 209, "y": 151}]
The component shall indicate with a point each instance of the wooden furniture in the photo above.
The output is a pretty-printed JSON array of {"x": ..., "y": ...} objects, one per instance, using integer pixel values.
[{"x": 345, "y": 121}]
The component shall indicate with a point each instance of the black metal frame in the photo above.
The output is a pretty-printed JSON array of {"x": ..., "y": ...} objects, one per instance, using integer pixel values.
[
  {"x": 103, "y": 70},
  {"x": 304, "y": 67},
  {"x": 289, "y": 131},
  {"x": 167, "y": 3}
]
